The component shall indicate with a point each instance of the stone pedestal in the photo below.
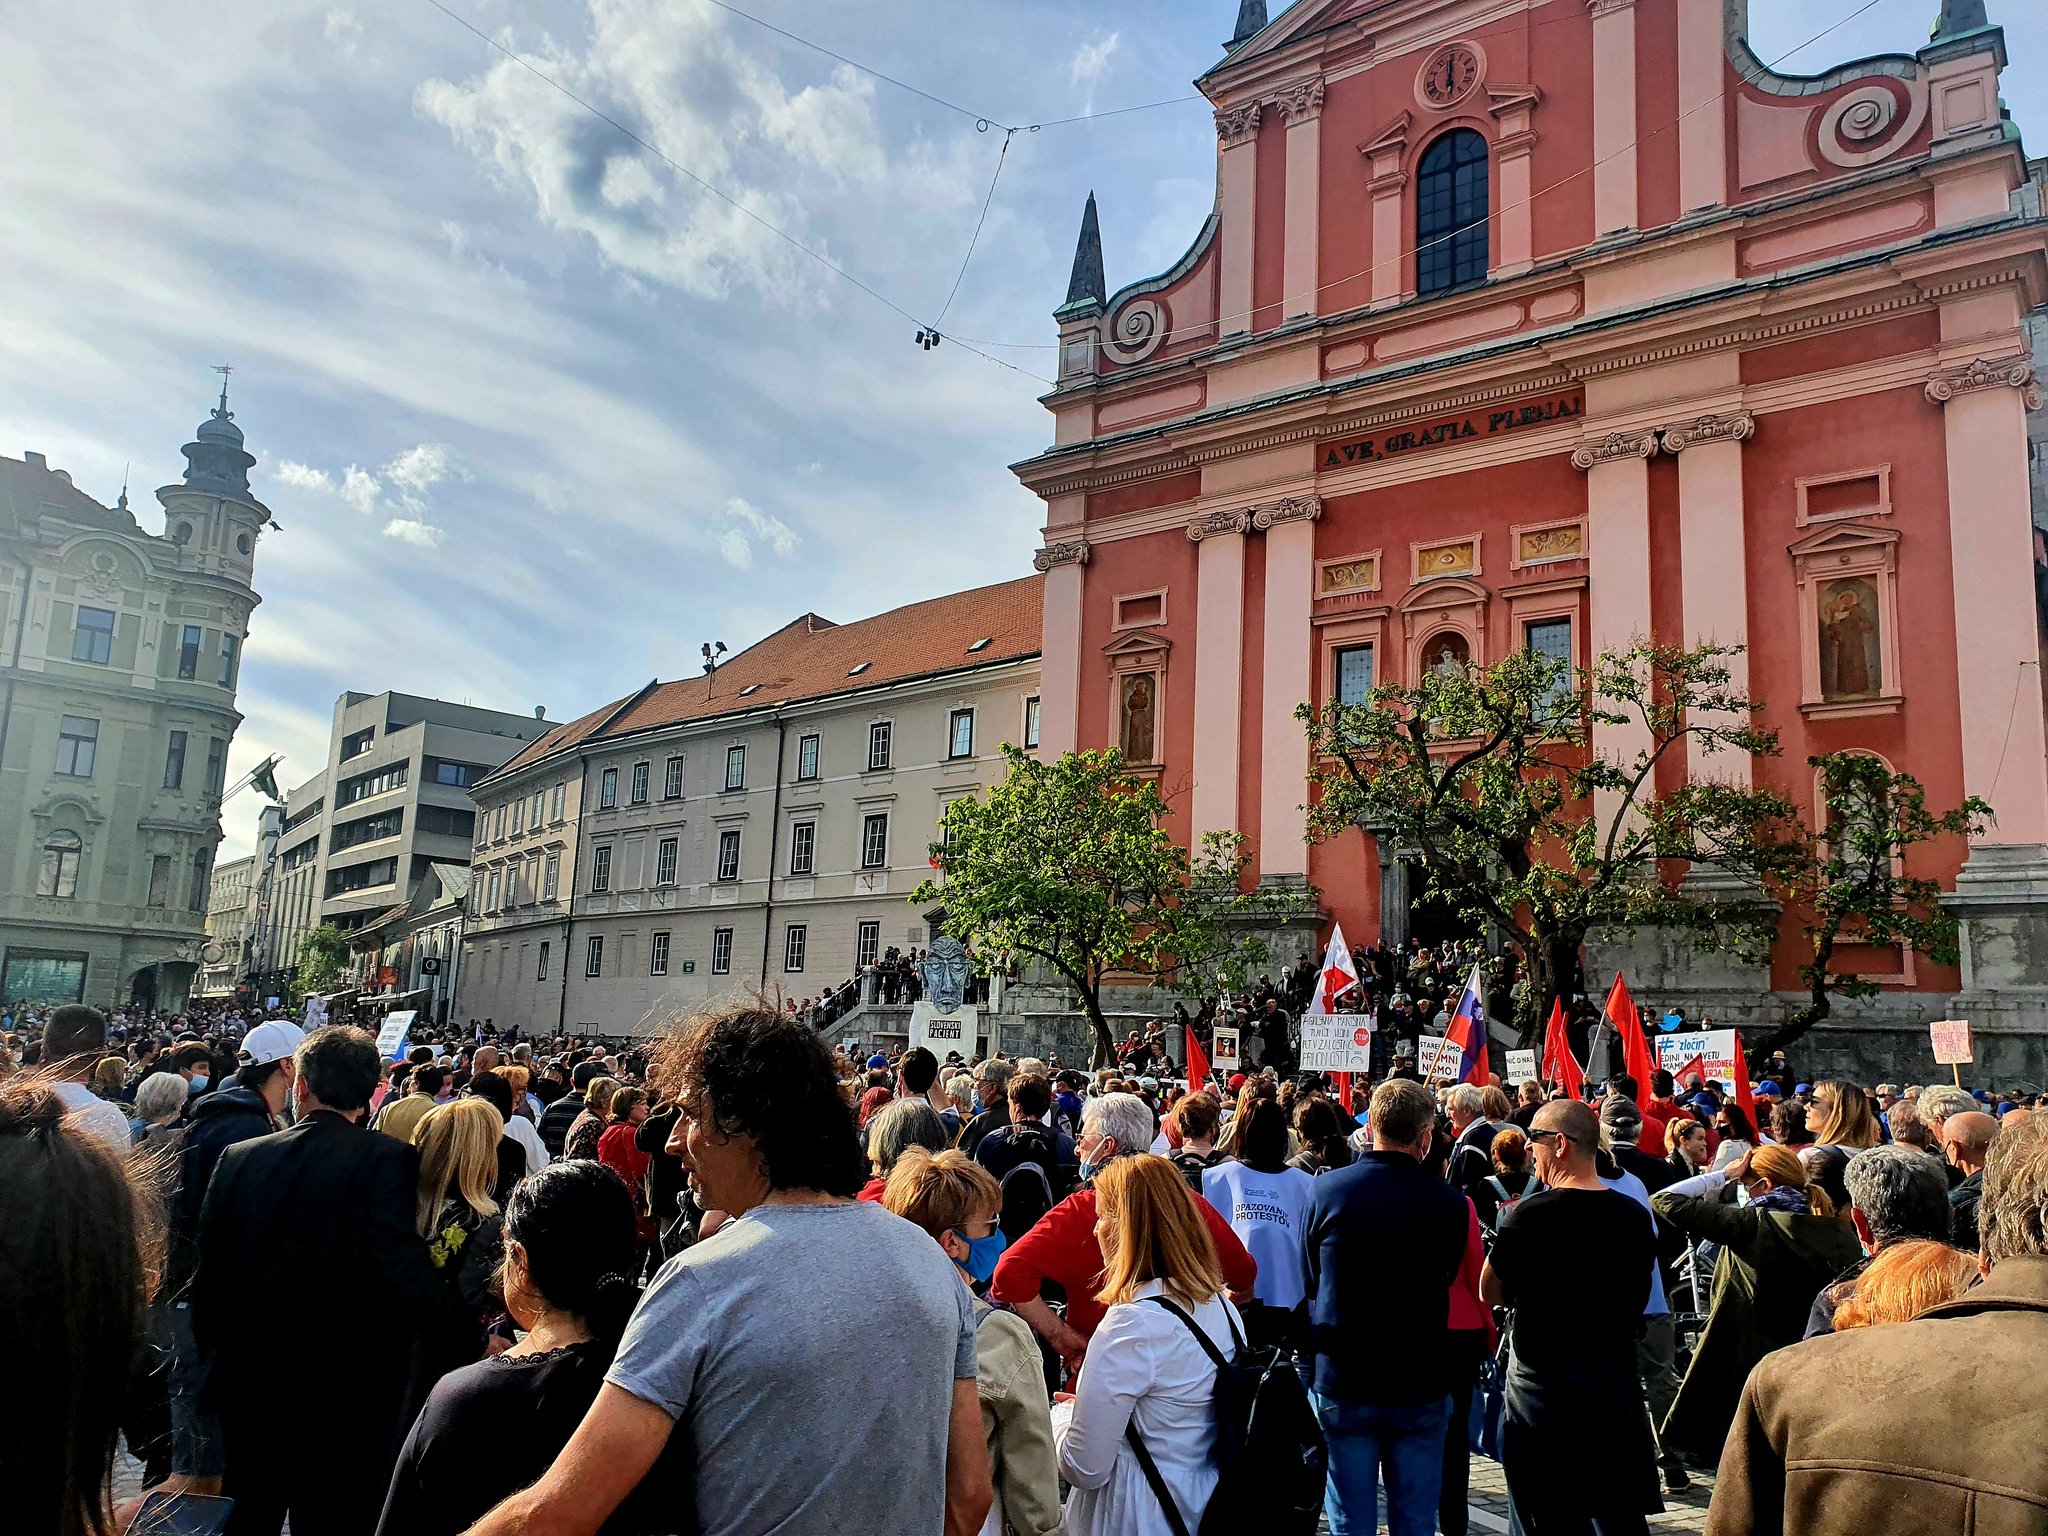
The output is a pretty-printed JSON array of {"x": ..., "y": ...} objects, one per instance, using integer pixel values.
[
  {"x": 2001, "y": 899},
  {"x": 1290, "y": 927}
]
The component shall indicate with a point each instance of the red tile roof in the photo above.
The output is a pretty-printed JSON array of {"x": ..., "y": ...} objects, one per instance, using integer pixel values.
[{"x": 813, "y": 658}]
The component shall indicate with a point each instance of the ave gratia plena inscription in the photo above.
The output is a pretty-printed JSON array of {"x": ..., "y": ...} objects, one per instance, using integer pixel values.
[{"x": 1564, "y": 406}]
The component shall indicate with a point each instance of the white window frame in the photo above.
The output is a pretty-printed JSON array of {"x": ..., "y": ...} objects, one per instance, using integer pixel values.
[
  {"x": 1032, "y": 712},
  {"x": 593, "y": 955},
  {"x": 721, "y": 951},
  {"x": 637, "y": 795},
  {"x": 796, "y": 939},
  {"x": 812, "y": 742},
  {"x": 600, "y": 869},
  {"x": 74, "y": 749},
  {"x": 881, "y": 745},
  {"x": 608, "y": 790},
  {"x": 657, "y": 953},
  {"x": 665, "y": 860},
  {"x": 803, "y": 848},
  {"x": 736, "y": 767},
  {"x": 728, "y": 837},
  {"x": 953, "y": 722},
  {"x": 672, "y": 778},
  {"x": 867, "y": 943},
  {"x": 871, "y": 855}
]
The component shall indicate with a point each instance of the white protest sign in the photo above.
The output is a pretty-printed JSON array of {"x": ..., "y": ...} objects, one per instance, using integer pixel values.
[
  {"x": 1715, "y": 1046},
  {"x": 1340, "y": 1042},
  {"x": 1225, "y": 1058},
  {"x": 1521, "y": 1066},
  {"x": 942, "y": 1032},
  {"x": 1428, "y": 1048},
  {"x": 316, "y": 1012},
  {"x": 391, "y": 1035},
  {"x": 1951, "y": 1042}
]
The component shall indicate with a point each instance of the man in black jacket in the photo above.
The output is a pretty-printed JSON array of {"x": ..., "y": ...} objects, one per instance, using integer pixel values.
[
  {"x": 307, "y": 1251},
  {"x": 556, "y": 1119}
]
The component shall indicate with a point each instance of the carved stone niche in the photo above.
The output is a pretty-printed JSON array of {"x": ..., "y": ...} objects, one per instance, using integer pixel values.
[{"x": 1447, "y": 615}]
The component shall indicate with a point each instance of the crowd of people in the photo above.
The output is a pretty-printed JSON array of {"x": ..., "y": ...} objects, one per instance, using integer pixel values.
[{"x": 730, "y": 1280}]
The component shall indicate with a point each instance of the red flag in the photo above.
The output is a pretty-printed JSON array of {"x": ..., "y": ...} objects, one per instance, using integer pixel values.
[
  {"x": 1697, "y": 1064},
  {"x": 1560, "y": 1067},
  {"x": 1198, "y": 1063},
  {"x": 1635, "y": 1048},
  {"x": 1743, "y": 1096},
  {"x": 1343, "y": 1082}
]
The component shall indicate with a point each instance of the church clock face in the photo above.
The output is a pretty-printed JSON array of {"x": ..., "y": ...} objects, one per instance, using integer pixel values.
[{"x": 1449, "y": 76}]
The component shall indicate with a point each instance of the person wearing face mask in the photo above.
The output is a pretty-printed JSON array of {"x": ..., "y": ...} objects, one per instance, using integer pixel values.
[
  {"x": 957, "y": 1201},
  {"x": 1062, "y": 1248},
  {"x": 1779, "y": 1245}
]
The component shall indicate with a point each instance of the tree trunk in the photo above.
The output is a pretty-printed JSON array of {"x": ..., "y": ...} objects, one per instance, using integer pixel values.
[
  {"x": 1105, "y": 1043},
  {"x": 1799, "y": 1020},
  {"x": 1554, "y": 974}
]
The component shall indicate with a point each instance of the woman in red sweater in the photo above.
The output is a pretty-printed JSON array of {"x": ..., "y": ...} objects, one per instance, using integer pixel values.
[{"x": 617, "y": 1151}]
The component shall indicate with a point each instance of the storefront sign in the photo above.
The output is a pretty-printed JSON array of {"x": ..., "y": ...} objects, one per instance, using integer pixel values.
[{"x": 1496, "y": 421}]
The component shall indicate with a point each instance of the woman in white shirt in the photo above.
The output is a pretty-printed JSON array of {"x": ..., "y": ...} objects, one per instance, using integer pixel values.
[{"x": 1145, "y": 1369}]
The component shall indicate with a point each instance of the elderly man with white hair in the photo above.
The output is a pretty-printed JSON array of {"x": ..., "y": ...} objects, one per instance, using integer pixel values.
[
  {"x": 1896, "y": 1193},
  {"x": 1061, "y": 1247}
]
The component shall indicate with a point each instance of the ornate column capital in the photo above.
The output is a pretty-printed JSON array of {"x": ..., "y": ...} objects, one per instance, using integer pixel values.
[
  {"x": 1599, "y": 8},
  {"x": 1071, "y": 552},
  {"x": 1616, "y": 445},
  {"x": 1987, "y": 373},
  {"x": 1238, "y": 125},
  {"x": 1215, "y": 524},
  {"x": 1288, "y": 509},
  {"x": 1301, "y": 100},
  {"x": 1735, "y": 427}
]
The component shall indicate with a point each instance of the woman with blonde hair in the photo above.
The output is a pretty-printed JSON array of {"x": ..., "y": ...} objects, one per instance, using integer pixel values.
[
  {"x": 588, "y": 1128},
  {"x": 957, "y": 1201},
  {"x": 1904, "y": 1280},
  {"x": 1843, "y": 1124},
  {"x": 109, "y": 1077},
  {"x": 455, "y": 1213},
  {"x": 1778, "y": 1248},
  {"x": 1152, "y": 1361}
]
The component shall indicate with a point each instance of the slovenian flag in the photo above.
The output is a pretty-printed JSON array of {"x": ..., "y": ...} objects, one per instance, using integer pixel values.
[{"x": 1467, "y": 1031}]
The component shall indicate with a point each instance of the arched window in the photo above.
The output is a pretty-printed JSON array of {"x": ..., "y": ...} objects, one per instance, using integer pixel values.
[
  {"x": 59, "y": 873},
  {"x": 1451, "y": 213}
]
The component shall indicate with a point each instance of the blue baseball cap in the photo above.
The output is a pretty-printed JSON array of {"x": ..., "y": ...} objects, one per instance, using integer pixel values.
[
  {"x": 1767, "y": 1086},
  {"x": 1803, "y": 1089},
  {"x": 877, "y": 1060}
]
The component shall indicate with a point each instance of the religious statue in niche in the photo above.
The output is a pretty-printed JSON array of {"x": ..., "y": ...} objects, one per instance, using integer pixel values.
[
  {"x": 1447, "y": 655},
  {"x": 1850, "y": 667},
  {"x": 1139, "y": 713}
]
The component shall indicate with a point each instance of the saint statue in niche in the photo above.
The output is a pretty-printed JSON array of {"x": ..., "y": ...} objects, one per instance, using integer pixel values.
[
  {"x": 1850, "y": 668},
  {"x": 1447, "y": 655},
  {"x": 1140, "y": 710}
]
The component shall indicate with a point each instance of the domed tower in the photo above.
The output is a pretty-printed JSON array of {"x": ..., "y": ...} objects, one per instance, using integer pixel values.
[{"x": 211, "y": 516}]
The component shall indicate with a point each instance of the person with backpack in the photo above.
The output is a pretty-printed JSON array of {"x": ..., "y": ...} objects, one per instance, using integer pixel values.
[
  {"x": 1197, "y": 1117},
  {"x": 1512, "y": 1178},
  {"x": 1139, "y": 1442},
  {"x": 957, "y": 1202},
  {"x": 1033, "y": 1164}
]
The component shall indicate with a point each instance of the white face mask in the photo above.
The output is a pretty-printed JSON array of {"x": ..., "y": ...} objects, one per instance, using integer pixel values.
[{"x": 1742, "y": 1194}]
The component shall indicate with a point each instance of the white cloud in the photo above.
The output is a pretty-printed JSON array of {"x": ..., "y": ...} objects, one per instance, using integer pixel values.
[
  {"x": 1090, "y": 60},
  {"x": 359, "y": 489},
  {"x": 738, "y": 553},
  {"x": 344, "y": 29},
  {"x": 302, "y": 477},
  {"x": 409, "y": 530},
  {"x": 420, "y": 469},
  {"x": 778, "y": 535}
]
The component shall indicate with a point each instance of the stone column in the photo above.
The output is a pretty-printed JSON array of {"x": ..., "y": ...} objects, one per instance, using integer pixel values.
[
  {"x": 1702, "y": 113},
  {"x": 2003, "y": 886},
  {"x": 1301, "y": 104},
  {"x": 1394, "y": 893},
  {"x": 1385, "y": 179},
  {"x": 1237, "y": 134},
  {"x": 1617, "y": 568},
  {"x": 1713, "y": 573},
  {"x": 1219, "y": 667},
  {"x": 1290, "y": 529},
  {"x": 1614, "y": 115},
  {"x": 1059, "y": 689}
]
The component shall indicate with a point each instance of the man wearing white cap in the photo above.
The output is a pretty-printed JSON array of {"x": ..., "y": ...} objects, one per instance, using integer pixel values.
[{"x": 253, "y": 1107}]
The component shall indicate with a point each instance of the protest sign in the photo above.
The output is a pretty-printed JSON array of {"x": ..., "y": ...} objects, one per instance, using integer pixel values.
[
  {"x": 392, "y": 1033},
  {"x": 942, "y": 1032},
  {"x": 1951, "y": 1042},
  {"x": 1427, "y": 1051},
  {"x": 316, "y": 1012},
  {"x": 1339, "y": 1042},
  {"x": 1521, "y": 1066},
  {"x": 1715, "y": 1047},
  {"x": 1224, "y": 1057}
]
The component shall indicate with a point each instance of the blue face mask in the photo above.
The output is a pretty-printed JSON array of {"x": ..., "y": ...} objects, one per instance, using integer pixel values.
[
  {"x": 199, "y": 1082},
  {"x": 982, "y": 1254}
]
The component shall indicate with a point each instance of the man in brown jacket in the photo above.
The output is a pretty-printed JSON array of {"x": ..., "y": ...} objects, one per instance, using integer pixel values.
[{"x": 1819, "y": 1448}]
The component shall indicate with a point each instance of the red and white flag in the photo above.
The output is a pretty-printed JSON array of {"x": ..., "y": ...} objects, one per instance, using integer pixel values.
[{"x": 1339, "y": 976}]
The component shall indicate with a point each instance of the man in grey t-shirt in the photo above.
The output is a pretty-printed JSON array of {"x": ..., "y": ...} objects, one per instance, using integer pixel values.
[
  {"x": 742, "y": 1341},
  {"x": 740, "y": 1352}
]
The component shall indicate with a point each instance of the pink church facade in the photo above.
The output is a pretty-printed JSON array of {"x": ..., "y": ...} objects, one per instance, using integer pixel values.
[{"x": 1558, "y": 324}]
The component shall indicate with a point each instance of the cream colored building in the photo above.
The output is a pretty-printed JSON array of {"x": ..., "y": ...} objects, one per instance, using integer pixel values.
[
  {"x": 120, "y": 654},
  {"x": 760, "y": 828}
]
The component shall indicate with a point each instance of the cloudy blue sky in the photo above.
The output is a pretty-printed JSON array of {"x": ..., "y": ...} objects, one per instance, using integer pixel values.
[{"x": 537, "y": 415}]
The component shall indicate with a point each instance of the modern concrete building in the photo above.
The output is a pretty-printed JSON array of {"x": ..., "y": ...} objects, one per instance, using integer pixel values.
[
  {"x": 120, "y": 652},
  {"x": 760, "y": 827},
  {"x": 392, "y": 805}
]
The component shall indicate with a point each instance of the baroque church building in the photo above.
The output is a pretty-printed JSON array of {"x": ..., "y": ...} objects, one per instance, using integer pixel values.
[
  {"x": 120, "y": 653},
  {"x": 1556, "y": 324}
]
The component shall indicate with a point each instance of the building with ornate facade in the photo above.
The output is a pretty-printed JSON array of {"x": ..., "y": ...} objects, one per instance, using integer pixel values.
[
  {"x": 120, "y": 653},
  {"x": 1554, "y": 324},
  {"x": 391, "y": 805},
  {"x": 761, "y": 826}
]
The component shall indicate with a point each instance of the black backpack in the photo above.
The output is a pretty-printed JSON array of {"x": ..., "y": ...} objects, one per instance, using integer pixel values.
[
  {"x": 1027, "y": 1192},
  {"x": 1270, "y": 1454}
]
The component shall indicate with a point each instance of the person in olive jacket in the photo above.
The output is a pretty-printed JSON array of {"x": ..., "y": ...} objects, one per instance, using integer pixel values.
[{"x": 1777, "y": 1251}]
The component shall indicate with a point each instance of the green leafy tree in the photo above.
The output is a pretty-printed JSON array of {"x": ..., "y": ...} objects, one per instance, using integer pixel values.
[
  {"x": 1486, "y": 772},
  {"x": 1068, "y": 862},
  {"x": 322, "y": 954},
  {"x": 1851, "y": 887}
]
